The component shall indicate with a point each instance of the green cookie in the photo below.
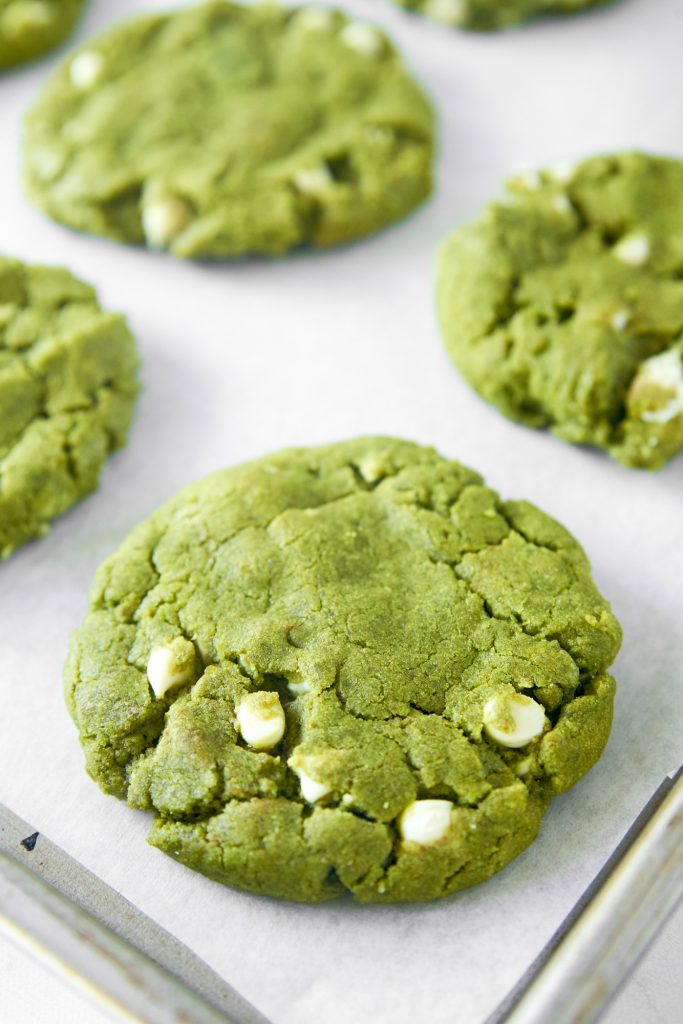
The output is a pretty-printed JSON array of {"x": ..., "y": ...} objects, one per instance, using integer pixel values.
[
  {"x": 488, "y": 15},
  {"x": 222, "y": 130},
  {"x": 344, "y": 669},
  {"x": 67, "y": 390},
  {"x": 29, "y": 28},
  {"x": 562, "y": 304}
]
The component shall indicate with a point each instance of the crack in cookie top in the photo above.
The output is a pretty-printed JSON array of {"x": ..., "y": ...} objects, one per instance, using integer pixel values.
[
  {"x": 562, "y": 304},
  {"x": 221, "y": 130},
  {"x": 29, "y": 28},
  {"x": 68, "y": 384},
  {"x": 490, "y": 15},
  {"x": 344, "y": 668}
]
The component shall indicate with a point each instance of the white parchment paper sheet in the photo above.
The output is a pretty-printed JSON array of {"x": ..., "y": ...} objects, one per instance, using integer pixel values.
[{"x": 242, "y": 359}]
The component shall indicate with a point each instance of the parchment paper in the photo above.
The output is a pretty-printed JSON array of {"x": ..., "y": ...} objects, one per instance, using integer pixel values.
[{"x": 242, "y": 359}]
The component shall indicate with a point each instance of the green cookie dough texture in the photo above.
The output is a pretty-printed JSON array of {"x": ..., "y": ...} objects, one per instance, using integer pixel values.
[
  {"x": 489, "y": 15},
  {"x": 222, "y": 130},
  {"x": 67, "y": 391},
  {"x": 562, "y": 304},
  {"x": 300, "y": 665},
  {"x": 29, "y": 28}
]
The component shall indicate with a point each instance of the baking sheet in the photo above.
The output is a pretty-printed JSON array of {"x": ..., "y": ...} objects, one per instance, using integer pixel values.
[{"x": 242, "y": 359}]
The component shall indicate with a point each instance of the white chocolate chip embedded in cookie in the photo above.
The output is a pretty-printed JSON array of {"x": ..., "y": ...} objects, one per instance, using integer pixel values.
[
  {"x": 562, "y": 171},
  {"x": 363, "y": 38},
  {"x": 312, "y": 789},
  {"x": 85, "y": 69},
  {"x": 313, "y": 180},
  {"x": 513, "y": 720},
  {"x": 170, "y": 666},
  {"x": 426, "y": 821},
  {"x": 448, "y": 12},
  {"x": 299, "y": 688},
  {"x": 657, "y": 388},
  {"x": 261, "y": 719},
  {"x": 619, "y": 321},
  {"x": 633, "y": 249},
  {"x": 162, "y": 219},
  {"x": 314, "y": 19},
  {"x": 562, "y": 204}
]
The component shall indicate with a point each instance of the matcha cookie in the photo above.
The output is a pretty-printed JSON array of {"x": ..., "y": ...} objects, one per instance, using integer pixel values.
[
  {"x": 67, "y": 391},
  {"x": 29, "y": 28},
  {"x": 488, "y": 15},
  {"x": 562, "y": 304},
  {"x": 349, "y": 668},
  {"x": 222, "y": 130}
]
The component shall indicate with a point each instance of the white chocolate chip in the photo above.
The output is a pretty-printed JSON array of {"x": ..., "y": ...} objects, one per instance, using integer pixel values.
[
  {"x": 347, "y": 799},
  {"x": 523, "y": 767},
  {"x": 85, "y": 69},
  {"x": 315, "y": 19},
  {"x": 448, "y": 12},
  {"x": 562, "y": 204},
  {"x": 313, "y": 180},
  {"x": 663, "y": 372},
  {"x": 363, "y": 38},
  {"x": 375, "y": 466},
  {"x": 426, "y": 821},
  {"x": 25, "y": 16},
  {"x": 261, "y": 719},
  {"x": 513, "y": 720},
  {"x": 162, "y": 219},
  {"x": 47, "y": 162},
  {"x": 379, "y": 134},
  {"x": 298, "y": 688},
  {"x": 620, "y": 319},
  {"x": 170, "y": 666},
  {"x": 311, "y": 789},
  {"x": 633, "y": 249},
  {"x": 562, "y": 171},
  {"x": 530, "y": 180}
]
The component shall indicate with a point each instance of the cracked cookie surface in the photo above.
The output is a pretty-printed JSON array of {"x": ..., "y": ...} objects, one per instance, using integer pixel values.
[
  {"x": 562, "y": 304},
  {"x": 347, "y": 668},
  {"x": 489, "y": 15},
  {"x": 29, "y": 28},
  {"x": 68, "y": 384},
  {"x": 222, "y": 130}
]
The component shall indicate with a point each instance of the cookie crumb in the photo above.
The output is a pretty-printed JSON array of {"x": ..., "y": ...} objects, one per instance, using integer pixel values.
[{"x": 29, "y": 843}]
